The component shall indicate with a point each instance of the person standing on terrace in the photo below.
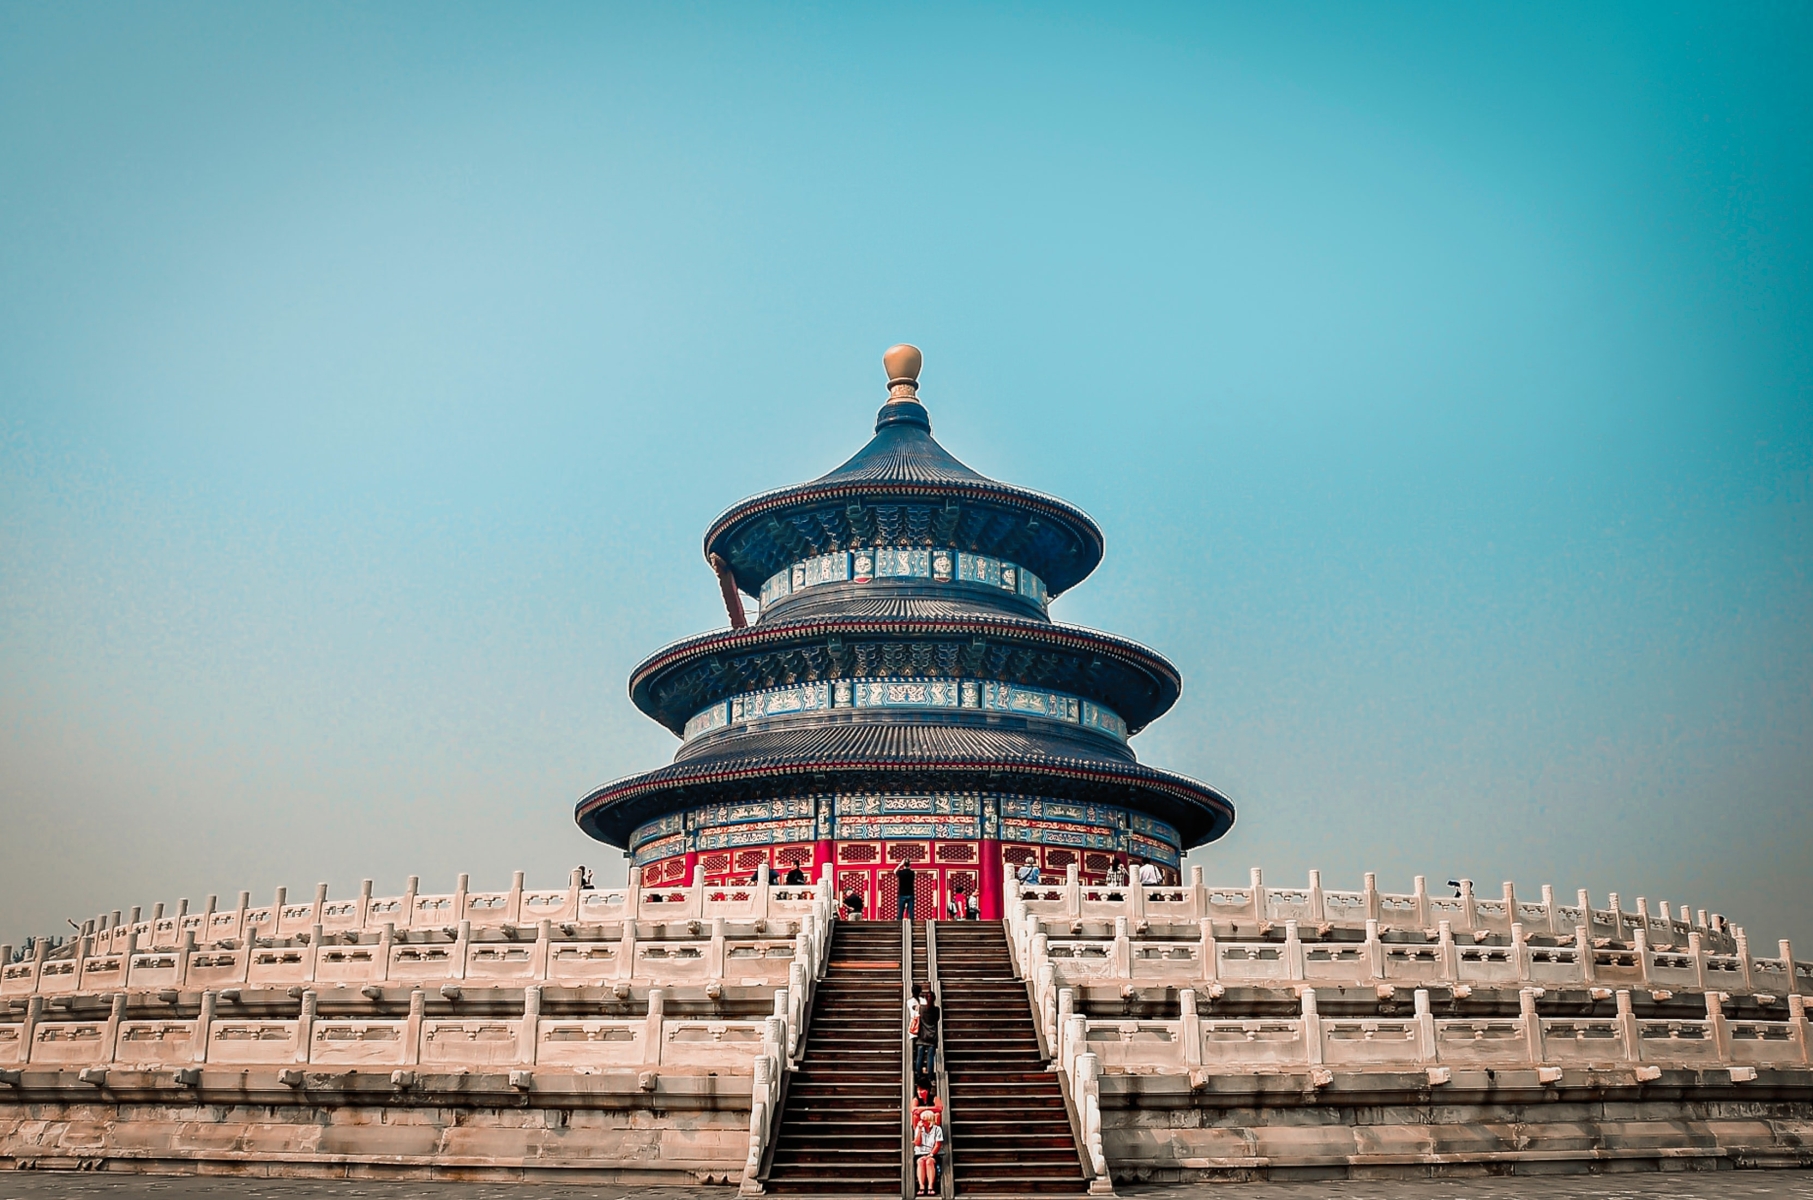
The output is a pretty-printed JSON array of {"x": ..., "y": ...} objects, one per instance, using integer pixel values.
[{"x": 904, "y": 879}]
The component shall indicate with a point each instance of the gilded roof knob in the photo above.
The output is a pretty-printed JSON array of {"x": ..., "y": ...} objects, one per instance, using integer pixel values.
[{"x": 903, "y": 363}]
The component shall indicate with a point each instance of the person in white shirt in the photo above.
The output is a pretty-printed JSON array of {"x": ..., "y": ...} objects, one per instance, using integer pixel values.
[
  {"x": 1149, "y": 875},
  {"x": 927, "y": 1134}
]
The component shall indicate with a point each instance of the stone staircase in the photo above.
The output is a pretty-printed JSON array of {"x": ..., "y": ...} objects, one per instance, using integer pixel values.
[
  {"x": 1010, "y": 1130},
  {"x": 841, "y": 1123}
]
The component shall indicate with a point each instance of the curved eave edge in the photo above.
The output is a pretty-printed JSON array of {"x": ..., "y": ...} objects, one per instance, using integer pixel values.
[
  {"x": 1089, "y": 534},
  {"x": 1180, "y": 788}
]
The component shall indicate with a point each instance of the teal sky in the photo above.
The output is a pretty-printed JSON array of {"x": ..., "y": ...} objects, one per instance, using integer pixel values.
[{"x": 1441, "y": 375}]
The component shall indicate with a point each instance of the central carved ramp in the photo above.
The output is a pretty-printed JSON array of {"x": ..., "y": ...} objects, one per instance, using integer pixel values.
[
  {"x": 841, "y": 1125},
  {"x": 1010, "y": 1129}
]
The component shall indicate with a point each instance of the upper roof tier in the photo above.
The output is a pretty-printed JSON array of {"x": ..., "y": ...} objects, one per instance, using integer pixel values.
[{"x": 904, "y": 489}]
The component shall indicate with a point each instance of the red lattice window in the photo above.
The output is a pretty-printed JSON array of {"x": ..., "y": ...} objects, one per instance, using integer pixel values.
[
  {"x": 860, "y": 852},
  {"x": 1097, "y": 864},
  {"x": 1059, "y": 859},
  {"x": 1018, "y": 854},
  {"x": 676, "y": 867},
  {"x": 715, "y": 864},
  {"x": 960, "y": 883},
  {"x": 906, "y": 852},
  {"x": 787, "y": 856},
  {"x": 749, "y": 860},
  {"x": 956, "y": 852}
]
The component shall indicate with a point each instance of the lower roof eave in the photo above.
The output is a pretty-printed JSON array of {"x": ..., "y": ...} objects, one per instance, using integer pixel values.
[{"x": 1199, "y": 812}]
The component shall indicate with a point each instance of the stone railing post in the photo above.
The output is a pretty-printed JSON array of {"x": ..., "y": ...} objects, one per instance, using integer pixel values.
[
  {"x": 305, "y": 1026},
  {"x": 1210, "y": 951},
  {"x": 1316, "y": 899},
  {"x": 1797, "y": 1021},
  {"x": 239, "y": 914},
  {"x": 1469, "y": 908},
  {"x": 1583, "y": 949},
  {"x": 1199, "y": 900},
  {"x": 412, "y": 1028},
  {"x": 528, "y": 1037},
  {"x": 1446, "y": 953},
  {"x": 1617, "y": 910},
  {"x": 1520, "y": 953},
  {"x": 513, "y": 906},
  {"x": 1076, "y": 1038},
  {"x": 386, "y": 937},
  {"x": 279, "y": 898},
  {"x": 34, "y": 1013},
  {"x": 714, "y": 954},
  {"x": 1419, "y": 892},
  {"x": 318, "y": 916},
  {"x": 185, "y": 950},
  {"x": 653, "y": 1034},
  {"x": 1261, "y": 905},
  {"x": 364, "y": 904},
  {"x": 626, "y": 946},
  {"x": 1640, "y": 936},
  {"x": 1087, "y": 1080},
  {"x": 316, "y": 935},
  {"x": 1532, "y": 1024},
  {"x": 1628, "y": 1032},
  {"x": 1425, "y": 1027},
  {"x": 1745, "y": 966},
  {"x": 1060, "y": 1025},
  {"x": 1312, "y": 1028},
  {"x": 1696, "y": 948},
  {"x": 1785, "y": 948},
  {"x": 462, "y": 947},
  {"x": 796, "y": 1001},
  {"x": 763, "y": 1083},
  {"x": 1511, "y": 915},
  {"x": 406, "y": 919},
  {"x": 1123, "y": 949},
  {"x": 1293, "y": 951},
  {"x": 1375, "y": 951},
  {"x": 461, "y": 889},
  {"x": 1369, "y": 896},
  {"x": 1721, "y": 1031},
  {"x": 1548, "y": 909},
  {"x": 541, "y": 959},
  {"x": 1189, "y": 1030},
  {"x": 116, "y": 1015}
]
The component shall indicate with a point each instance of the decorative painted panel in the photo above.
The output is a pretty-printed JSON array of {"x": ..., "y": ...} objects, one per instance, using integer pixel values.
[
  {"x": 1008, "y": 697},
  {"x": 987, "y": 695},
  {"x": 942, "y": 804},
  {"x": 907, "y": 825},
  {"x": 661, "y": 848},
  {"x": 659, "y": 827},
  {"x": 868, "y": 563}
]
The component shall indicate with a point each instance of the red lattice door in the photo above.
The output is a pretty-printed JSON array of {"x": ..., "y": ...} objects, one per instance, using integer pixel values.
[
  {"x": 861, "y": 882},
  {"x": 957, "y": 885}
]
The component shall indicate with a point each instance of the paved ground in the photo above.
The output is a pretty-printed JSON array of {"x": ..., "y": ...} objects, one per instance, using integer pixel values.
[{"x": 1723, "y": 1185}]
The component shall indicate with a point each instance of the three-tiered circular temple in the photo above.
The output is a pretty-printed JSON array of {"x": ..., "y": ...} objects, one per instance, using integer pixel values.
[{"x": 903, "y": 695}]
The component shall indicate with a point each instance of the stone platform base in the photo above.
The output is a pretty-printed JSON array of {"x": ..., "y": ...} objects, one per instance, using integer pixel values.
[
  {"x": 614, "y": 1127},
  {"x": 1160, "y": 1128}
]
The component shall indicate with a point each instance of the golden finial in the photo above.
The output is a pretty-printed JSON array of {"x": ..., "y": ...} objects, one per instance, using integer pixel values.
[{"x": 903, "y": 363}]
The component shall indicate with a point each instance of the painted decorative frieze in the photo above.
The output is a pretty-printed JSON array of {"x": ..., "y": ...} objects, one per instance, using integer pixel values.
[
  {"x": 867, "y": 564},
  {"x": 986, "y": 695}
]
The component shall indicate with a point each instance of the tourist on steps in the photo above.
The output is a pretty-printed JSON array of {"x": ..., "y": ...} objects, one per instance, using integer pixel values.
[
  {"x": 853, "y": 905},
  {"x": 925, "y": 1040},
  {"x": 927, "y": 1134},
  {"x": 904, "y": 879}
]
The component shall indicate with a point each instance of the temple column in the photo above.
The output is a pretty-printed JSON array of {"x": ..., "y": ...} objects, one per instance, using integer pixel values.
[{"x": 989, "y": 905}]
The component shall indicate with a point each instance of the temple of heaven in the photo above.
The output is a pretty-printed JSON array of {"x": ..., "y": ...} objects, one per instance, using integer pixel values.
[{"x": 903, "y": 695}]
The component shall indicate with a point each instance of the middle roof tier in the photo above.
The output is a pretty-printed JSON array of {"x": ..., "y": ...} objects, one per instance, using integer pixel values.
[{"x": 675, "y": 683}]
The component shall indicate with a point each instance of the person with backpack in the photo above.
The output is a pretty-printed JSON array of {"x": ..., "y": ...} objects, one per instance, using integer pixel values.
[{"x": 925, "y": 1038}]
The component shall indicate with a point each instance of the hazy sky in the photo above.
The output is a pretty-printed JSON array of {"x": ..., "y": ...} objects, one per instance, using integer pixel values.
[{"x": 1440, "y": 374}]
